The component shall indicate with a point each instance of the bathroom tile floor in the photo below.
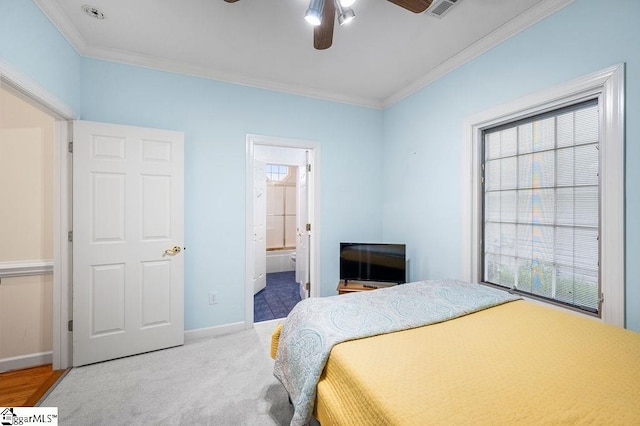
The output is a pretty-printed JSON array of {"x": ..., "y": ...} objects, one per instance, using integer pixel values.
[{"x": 278, "y": 298}]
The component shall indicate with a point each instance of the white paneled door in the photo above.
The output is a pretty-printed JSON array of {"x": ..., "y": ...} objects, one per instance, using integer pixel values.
[
  {"x": 303, "y": 235},
  {"x": 260, "y": 227},
  {"x": 128, "y": 231}
]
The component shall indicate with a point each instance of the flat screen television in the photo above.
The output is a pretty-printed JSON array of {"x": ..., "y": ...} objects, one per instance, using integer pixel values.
[{"x": 373, "y": 262}]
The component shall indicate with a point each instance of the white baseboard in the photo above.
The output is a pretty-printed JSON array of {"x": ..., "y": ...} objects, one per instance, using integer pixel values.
[
  {"x": 219, "y": 330},
  {"x": 25, "y": 361},
  {"x": 42, "y": 358}
]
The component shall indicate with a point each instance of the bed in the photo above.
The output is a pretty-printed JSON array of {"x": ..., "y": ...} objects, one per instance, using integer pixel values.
[{"x": 480, "y": 356}]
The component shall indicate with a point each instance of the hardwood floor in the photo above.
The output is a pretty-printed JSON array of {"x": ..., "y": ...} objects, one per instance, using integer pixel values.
[{"x": 24, "y": 388}]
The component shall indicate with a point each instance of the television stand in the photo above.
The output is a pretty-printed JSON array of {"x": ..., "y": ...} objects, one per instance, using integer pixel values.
[{"x": 352, "y": 286}]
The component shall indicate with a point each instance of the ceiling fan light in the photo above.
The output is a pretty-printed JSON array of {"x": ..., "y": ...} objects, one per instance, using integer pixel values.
[
  {"x": 347, "y": 3},
  {"x": 346, "y": 15},
  {"x": 314, "y": 12}
]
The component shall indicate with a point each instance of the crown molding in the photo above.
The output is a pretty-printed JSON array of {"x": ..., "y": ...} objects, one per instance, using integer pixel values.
[
  {"x": 511, "y": 28},
  {"x": 516, "y": 25},
  {"x": 33, "y": 91},
  {"x": 146, "y": 61},
  {"x": 59, "y": 19}
]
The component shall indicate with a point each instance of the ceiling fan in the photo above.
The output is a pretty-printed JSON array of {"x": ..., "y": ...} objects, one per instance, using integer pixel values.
[{"x": 321, "y": 14}]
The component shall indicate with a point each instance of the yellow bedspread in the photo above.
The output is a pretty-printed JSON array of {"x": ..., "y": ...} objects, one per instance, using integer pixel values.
[
  {"x": 517, "y": 363},
  {"x": 275, "y": 339}
]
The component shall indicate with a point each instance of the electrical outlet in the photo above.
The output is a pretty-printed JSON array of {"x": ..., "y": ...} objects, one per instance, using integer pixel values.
[{"x": 212, "y": 298}]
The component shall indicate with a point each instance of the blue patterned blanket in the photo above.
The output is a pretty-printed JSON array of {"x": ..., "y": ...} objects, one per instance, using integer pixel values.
[{"x": 315, "y": 325}]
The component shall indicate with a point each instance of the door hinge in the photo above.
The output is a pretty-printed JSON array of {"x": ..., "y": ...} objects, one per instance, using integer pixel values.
[
  {"x": 70, "y": 236},
  {"x": 307, "y": 286},
  {"x": 309, "y": 167},
  {"x": 70, "y": 147},
  {"x": 308, "y": 227},
  {"x": 70, "y": 325}
]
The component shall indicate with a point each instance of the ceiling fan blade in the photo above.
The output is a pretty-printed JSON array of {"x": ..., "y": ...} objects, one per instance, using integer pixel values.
[
  {"x": 323, "y": 33},
  {"x": 415, "y": 6}
]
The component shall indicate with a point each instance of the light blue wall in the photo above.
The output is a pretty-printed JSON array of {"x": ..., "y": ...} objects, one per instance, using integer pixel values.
[
  {"x": 216, "y": 117},
  {"x": 416, "y": 143},
  {"x": 30, "y": 44},
  {"x": 423, "y": 133}
]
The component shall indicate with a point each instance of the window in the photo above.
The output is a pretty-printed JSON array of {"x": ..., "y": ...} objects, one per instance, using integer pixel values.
[
  {"x": 539, "y": 198},
  {"x": 276, "y": 172},
  {"x": 541, "y": 206},
  {"x": 281, "y": 206}
]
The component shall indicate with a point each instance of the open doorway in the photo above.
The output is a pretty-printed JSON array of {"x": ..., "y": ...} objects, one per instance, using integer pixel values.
[
  {"x": 279, "y": 279},
  {"x": 26, "y": 226},
  {"x": 34, "y": 263},
  {"x": 45, "y": 274},
  {"x": 282, "y": 203}
]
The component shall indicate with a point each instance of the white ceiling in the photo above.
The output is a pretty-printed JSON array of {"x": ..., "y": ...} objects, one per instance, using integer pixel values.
[{"x": 385, "y": 54}]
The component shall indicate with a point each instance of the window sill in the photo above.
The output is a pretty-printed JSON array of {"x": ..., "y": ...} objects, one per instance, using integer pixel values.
[{"x": 549, "y": 303}]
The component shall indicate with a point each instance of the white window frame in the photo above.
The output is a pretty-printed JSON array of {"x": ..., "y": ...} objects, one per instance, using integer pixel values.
[
  {"x": 608, "y": 87},
  {"x": 285, "y": 176}
]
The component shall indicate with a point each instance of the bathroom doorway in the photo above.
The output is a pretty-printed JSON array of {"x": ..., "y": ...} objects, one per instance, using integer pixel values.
[
  {"x": 279, "y": 291},
  {"x": 279, "y": 269}
]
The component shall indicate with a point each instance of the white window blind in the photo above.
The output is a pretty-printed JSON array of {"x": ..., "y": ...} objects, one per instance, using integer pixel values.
[{"x": 541, "y": 206}]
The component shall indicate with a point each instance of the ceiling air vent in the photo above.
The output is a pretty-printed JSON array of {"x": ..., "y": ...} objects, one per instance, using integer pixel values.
[{"x": 439, "y": 8}]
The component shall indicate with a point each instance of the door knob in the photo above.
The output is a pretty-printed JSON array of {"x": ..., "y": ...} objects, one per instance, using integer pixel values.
[{"x": 174, "y": 250}]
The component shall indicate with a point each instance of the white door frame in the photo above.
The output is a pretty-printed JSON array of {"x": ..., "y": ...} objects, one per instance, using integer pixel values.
[
  {"x": 62, "y": 113},
  {"x": 314, "y": 213}
]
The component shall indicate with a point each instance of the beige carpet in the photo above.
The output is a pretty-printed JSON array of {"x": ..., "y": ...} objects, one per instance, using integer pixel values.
[{"x": 226, "y": 380}]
